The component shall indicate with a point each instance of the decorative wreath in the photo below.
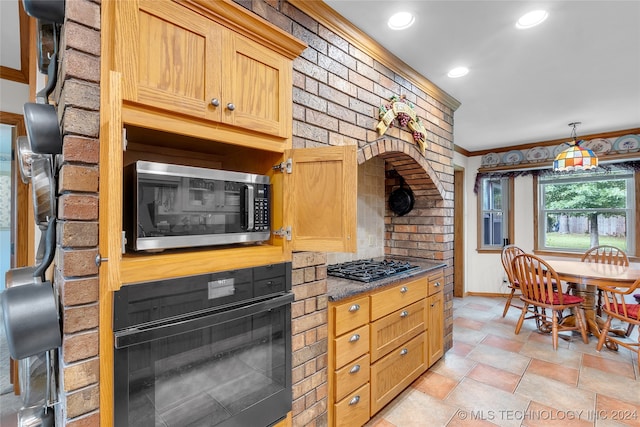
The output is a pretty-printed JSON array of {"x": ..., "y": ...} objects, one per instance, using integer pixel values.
[{"x": 400, "y": 110}]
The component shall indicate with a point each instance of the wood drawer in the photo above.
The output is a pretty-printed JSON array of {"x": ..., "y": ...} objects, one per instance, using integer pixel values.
[
  {"x": 353, "y": 410},
  {"x": 352, "y": 376},
  {"x": 351, "y": 315},
  {"x": 436, "y": 282},
  {"x": 396, "y": 328},
  {"x": 398, "y": 296},
  {"x": 394, "y": 372},
  {"x": 352, "y": 345}
]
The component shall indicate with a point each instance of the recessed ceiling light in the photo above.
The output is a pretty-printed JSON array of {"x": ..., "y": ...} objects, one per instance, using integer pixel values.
[
  {"x": 531, "y": 19},
  {"x": 401, "y": 20},
  {"x": 458, "y": 72}
]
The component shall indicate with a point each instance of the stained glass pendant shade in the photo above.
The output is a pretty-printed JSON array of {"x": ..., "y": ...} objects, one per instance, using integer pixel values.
[{"x": 575, "y": 157}]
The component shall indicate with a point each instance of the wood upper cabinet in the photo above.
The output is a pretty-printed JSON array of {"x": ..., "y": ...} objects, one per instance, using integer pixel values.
[
  {"x": 180, "y": 58},
  {"x": 256, "y": 86},
  {"x": 321, "y": 199}
]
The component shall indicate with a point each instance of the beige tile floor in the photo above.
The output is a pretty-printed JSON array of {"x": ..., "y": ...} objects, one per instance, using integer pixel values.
[{"x": 492, "y": 377}]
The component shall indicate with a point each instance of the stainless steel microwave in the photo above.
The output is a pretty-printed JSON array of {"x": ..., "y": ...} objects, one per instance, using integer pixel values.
[{"x": 172, "y": 206}]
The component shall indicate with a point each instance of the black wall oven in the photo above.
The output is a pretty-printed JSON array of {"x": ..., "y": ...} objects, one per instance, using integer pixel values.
[{"x": 207, "y": 350}]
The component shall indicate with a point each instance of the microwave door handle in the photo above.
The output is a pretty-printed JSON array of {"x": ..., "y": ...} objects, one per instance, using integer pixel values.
[{"x": 249, "y": 198}]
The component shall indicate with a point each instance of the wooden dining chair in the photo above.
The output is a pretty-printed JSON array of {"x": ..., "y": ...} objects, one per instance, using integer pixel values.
[
  {"x": 541, "y": 290},
  {"x": 509, "y": 252},
  {"x": 616, "y": 306},
  {"x": 606, "y": 254}
]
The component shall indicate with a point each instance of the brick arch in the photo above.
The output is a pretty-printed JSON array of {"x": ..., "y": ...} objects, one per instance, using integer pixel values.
[{"x": 409, "y": 162}]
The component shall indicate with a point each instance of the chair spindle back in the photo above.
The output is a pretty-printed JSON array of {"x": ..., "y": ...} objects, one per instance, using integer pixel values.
[
  {"x": 606, "y": 254},
  {"x": 537, "y": 279}
]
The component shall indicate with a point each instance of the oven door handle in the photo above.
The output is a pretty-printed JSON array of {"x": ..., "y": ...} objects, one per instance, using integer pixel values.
[{"x": 138, "y": 335}]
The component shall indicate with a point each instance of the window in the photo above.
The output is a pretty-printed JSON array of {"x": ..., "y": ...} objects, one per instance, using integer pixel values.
[
  {"x": 579, "y": 211},
  {"x": 495, "y": 212}
]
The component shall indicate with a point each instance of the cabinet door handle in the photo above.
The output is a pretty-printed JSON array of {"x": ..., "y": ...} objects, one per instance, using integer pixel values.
[
  {"x": 354, "y": 307},
  {"x": 403, "y": 352},
  {"x": 403, "y": 289},
  {"x": 215, "y": 102},
  {"x": 354, "y": 338},
  {"x": 355, "y": 400},
  {"x": 355, "y": 369},
  {"x": 231, "y": 106},
  {"x": 437, "y": 285},
  {"x": 433, "y": 305},
  {"x": 405, "y": 313}
]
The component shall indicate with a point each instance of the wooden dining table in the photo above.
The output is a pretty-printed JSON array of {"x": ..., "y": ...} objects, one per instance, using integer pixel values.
[{"x": 587, "y": 276}]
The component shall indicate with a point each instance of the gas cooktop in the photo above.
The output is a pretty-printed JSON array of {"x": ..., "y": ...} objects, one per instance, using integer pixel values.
[{"x": 369, "y": 270}]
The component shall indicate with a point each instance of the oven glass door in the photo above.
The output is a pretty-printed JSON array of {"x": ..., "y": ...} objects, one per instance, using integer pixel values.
[{"x": 228, "y": 368}]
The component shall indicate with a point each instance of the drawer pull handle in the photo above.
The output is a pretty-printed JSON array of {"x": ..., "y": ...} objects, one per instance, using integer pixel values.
[
  {"x": 355, "y": 400},
  {"x": 437, "y": 285},
  {"x": 354, "y": 307},
  {"x": 405, "y": 313},
  {"x": 355, "y": 369},
  {"x": 215, "y": 102},
  {"x": 403, "y": 352},
  {"x": 354, "y": 338},
  {"x": 403, "y": 289},
  {"x": 231, "y": 106}
]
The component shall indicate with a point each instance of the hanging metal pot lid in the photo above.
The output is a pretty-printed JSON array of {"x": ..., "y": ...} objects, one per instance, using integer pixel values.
[
  {"x": 43, "y": 189},
  {"x": 401, "y": 200},
  {"x": 25, "y": 158}
]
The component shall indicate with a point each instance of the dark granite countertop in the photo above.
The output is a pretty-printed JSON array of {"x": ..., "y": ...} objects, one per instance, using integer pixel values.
[{"x": 339, "y": 288}]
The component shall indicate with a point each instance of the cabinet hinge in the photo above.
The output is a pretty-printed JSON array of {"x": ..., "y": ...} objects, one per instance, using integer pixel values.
[
  {"x": 124, "y": 139},
  {"x": 284, "y": 232},
  {"x": 286, "y": 166}
]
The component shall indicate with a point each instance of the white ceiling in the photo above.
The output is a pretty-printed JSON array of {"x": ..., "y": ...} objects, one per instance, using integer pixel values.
[{"x": 581, "y": 64}]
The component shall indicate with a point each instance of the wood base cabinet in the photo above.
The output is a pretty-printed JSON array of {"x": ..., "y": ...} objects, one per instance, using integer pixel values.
[
  {"x": 402, "y": 323},
  {"x": 435, "y": 315},
  {"x": 349, "y": 368}
]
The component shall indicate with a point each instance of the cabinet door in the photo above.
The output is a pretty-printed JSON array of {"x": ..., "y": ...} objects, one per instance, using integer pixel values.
[
  {"x": 435, "y": 310},
  {"x": 256, "y": 87},
  {"x": 394, "y": 372},
  {"x": 168, "y": 56},
  {"x": 321, "y": 206}
]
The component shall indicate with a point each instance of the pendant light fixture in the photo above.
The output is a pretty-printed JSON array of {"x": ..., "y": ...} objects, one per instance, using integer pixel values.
[{"x": 575, "y": 157}]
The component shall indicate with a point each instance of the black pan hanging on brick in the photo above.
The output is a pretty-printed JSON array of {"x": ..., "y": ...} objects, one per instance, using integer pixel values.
[{"x": 401, "y": 200}]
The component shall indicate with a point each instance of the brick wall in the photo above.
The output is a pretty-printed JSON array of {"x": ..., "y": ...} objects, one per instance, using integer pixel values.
[
  {"x": 309, "y": 341},
  {"x": 76, "y": 274}
]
